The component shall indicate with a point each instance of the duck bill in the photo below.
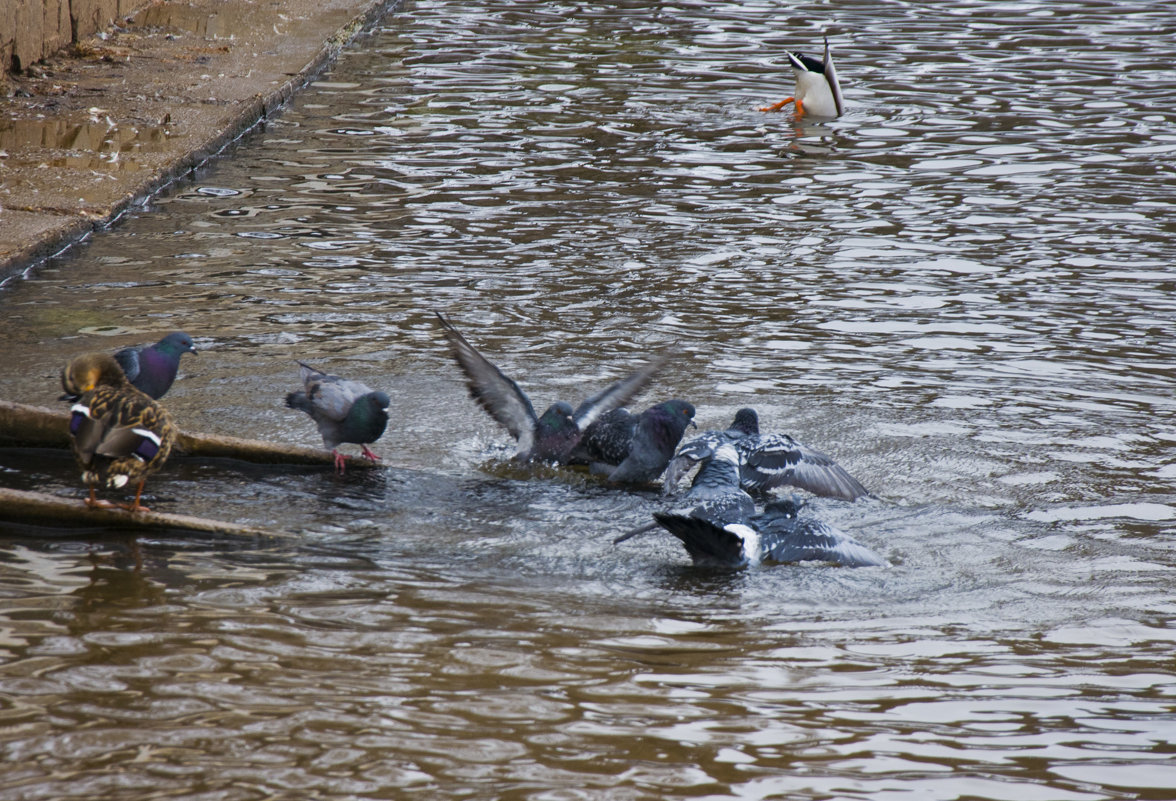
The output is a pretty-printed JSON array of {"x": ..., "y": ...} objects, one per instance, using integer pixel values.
[{"x": 831, "y": 77}]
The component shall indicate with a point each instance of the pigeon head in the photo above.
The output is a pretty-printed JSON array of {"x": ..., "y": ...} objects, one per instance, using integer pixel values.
[
  {"x": 86, "y": 372},
  {"x": 175, "y": 344},
  {"x": 680, "y": 411},
  {"x": 746, "y": 421},
  {"x": 558, "y": 416},
  {"x": 784, "y": 507}
]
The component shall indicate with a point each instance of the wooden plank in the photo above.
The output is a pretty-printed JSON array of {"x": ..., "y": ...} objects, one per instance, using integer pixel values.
[
  {"x": 41, "y": 509},
  {"x": 38, "y": 427}
]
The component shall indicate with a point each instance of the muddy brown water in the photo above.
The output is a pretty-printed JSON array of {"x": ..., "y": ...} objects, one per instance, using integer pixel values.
[{"x": 963, "y": 288}]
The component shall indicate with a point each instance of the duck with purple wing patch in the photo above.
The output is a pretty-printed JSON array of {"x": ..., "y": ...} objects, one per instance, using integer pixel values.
[
  {"x": 553, "y": 436},
  {"x": 768, "y": 461},
  {"x": 118, "y": 435},
  {"x": 343, "y": 410}
]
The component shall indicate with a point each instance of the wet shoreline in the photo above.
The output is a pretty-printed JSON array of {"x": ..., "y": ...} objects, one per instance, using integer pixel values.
[{"x": 102, "y": 127}]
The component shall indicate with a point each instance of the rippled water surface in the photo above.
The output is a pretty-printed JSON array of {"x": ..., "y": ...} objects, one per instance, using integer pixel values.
[{"x": 963, "y": 288}]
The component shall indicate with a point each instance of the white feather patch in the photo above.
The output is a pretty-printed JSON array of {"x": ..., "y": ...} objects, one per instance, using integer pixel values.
[{"x": 751, "y": 541}]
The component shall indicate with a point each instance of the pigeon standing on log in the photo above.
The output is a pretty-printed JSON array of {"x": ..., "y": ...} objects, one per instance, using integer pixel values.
[
  {"x": 118, "y": 434},
  {"x": 552, "y": 436},
  {"x": 152, "y": 368},
  {"x": 343, "y": 410}
]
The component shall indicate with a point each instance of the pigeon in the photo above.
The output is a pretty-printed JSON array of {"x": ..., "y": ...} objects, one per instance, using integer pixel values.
[
  {"x": 780, "y": 534},
  {"x": 635, "y": 449},
  {"x": 817, "y": 91},
  {"x": 768, "y": 461},
  {"x": 118, "y": 434},
  {"x": 343, "y": 410},
  {"x": 553, "y": 436},
  {"x": 715, "y": 495},
  {"x": 152, "y": 368}
]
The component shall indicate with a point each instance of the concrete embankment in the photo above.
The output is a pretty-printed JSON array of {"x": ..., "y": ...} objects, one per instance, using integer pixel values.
[{"x": 109, "y": 121}]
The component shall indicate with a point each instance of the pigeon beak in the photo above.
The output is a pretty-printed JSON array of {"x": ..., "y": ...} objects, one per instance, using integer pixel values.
[{"x": 693, "y": 424}]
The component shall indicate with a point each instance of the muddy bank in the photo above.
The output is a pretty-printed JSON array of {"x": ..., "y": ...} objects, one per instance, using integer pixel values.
[{"x": 106, "y": 123}]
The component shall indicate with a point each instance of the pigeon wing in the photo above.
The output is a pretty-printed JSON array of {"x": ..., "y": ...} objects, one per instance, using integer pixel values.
[
  {"x": 618, "y": 394},
  {"x": 777, "y": 460},
  {"x": 330, "y": 396},
  {"x": 128, "y": 360},
  {"x": 499, "y": 396},
  {"x": 690, "y": 454}
]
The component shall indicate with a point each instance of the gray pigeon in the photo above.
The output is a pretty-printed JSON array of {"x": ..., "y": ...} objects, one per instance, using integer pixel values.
[
  {"x": 152, "y": 368},
  {"x": 343, "y": 410},
  {"x": 780, "y": 534},
  {"x": 552, "y": 436},
  {"x": 635, "y": 449},
  {"x": 768, "y": 461},
  {"x": 715, "y": 495}
]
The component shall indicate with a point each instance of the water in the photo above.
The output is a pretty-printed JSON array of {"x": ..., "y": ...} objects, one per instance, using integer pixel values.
[{"x": 963, "y": 289}]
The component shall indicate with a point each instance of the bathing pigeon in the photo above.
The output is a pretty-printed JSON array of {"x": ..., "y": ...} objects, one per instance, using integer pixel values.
[
  {"x": 780, "y": 534},
  {"x": 343, "y": 410},
  {"x": 715, "y": 495},
  {"x": 152, "y": 368},
  {"x": 635, "y": 449},
  {"x": 117, "y": 433},
  {"x": 817, "y": 90},
  {"x": 552, "y": 436},
  {"x": 768, "y": 461}
]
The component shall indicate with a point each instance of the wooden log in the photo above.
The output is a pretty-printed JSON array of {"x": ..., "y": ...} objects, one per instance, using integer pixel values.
[
  {"x": 38, "y": 427},
  {"x": 40, "y": 509}
]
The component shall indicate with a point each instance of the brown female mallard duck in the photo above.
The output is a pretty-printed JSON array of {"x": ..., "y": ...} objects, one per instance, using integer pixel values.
[{"x": 119, "y": 434}]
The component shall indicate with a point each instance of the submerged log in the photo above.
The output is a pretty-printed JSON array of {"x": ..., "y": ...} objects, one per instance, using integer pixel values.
[
  {"x": 38, "y": 427},
  {"x": 50, "y": 511}
]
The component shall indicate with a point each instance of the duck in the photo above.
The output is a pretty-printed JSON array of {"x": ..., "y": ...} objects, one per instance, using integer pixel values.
[
  {"x": 343, "y": 410},
  {"x": 817, "y": 91},
  {"x": 119, "y": 435},
  {"x": 767, "y": 461},
  {"x": 636, "y": 448},
  {"x": 553, "y": 436},
  {"x": 780, "y": 534}
]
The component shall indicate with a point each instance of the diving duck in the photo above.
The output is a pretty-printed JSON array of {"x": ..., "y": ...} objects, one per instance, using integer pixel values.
[
  {"x": 817, "y": 91},
  {"x": 553, "y": 436},
  {"x": 119, "y": 435},
  {"x": 343, "y": 410}
]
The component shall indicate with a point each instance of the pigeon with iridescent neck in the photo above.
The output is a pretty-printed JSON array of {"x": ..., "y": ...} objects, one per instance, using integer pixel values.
[
  {"x": 152, "y": 368},
  {"x": 553, "y": 436},
  {"x": 343, "y": 410},
  {"x": 636, "y": 448}
]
